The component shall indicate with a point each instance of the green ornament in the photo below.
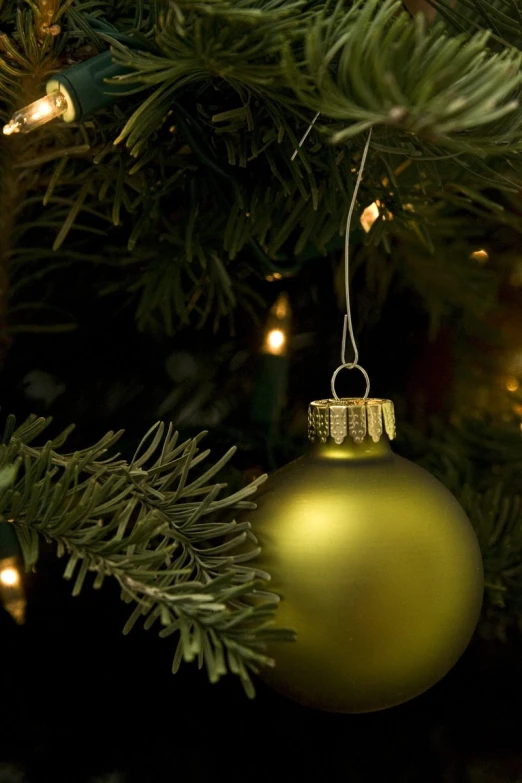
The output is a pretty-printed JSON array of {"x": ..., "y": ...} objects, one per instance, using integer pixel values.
[{"x": 378, "y": 567}]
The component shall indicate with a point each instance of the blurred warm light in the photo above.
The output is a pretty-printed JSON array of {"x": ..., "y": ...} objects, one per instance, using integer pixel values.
[
  {"x": 275, "y": 340},
  {"x": 9, "y": 577},
  {"x": 281, "y": 308},
  {"x": 277, "y": 327},
  {"x": 512, "y": 384},
  {"x": 370, "y": 215},
  {"x": 480, "y": 256},
  {"x": 12, "y": 594}
]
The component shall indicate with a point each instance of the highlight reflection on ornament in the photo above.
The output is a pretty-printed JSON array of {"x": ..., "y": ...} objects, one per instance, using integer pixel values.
[{"x": 378, "y": 568}]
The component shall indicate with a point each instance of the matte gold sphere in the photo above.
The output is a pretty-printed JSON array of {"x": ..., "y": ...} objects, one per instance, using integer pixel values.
[{"x": 379, "y": 572}]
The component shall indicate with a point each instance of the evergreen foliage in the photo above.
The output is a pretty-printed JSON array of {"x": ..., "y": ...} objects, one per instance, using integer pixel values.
[
  {"x": 156, "y": 530},
  {"x": 194, "y": 170}
]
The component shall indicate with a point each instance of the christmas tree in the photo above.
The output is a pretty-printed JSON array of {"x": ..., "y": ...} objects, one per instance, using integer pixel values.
[{"x": 176, "y": 183}]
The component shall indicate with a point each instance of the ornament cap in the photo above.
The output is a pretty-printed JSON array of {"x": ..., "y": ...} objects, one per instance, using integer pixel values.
[{"x": 353, "y": 417}]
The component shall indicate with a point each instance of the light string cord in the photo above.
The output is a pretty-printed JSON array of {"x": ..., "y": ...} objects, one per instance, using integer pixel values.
[{"x": 347, "y": 323}]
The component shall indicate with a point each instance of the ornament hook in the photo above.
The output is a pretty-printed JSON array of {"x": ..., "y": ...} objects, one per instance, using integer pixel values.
[
  {"x": 351, "y": 366},
  {"x": 347, "y": 323}
]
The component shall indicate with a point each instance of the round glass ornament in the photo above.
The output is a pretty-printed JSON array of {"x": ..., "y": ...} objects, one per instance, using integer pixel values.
[{"x": 378, "y": 568}]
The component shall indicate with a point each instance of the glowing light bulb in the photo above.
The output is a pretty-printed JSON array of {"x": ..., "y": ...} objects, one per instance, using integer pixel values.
[
  {"x": 512, "y": 384},
  {"x": 12, "y": 595},
  {"x": 277, "y": 327},
  {"x": 276, "y": 340},
  {"x": 37, "y": 113},
  {"x": 10, "y": 577}
]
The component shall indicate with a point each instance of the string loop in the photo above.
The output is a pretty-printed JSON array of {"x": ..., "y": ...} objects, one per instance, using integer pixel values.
[{"x": 350, "y": 366}]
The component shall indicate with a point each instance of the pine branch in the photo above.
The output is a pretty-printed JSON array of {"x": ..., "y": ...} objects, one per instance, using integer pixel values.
[
  {"x": 372, "y": 66},
  {"x": 150, "y": 526},
  {"x": 368, "y": 66},
  {"x": 202, "y": 187}
]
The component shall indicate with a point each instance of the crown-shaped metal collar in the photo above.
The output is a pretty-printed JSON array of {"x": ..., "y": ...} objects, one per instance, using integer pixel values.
[{"x": 352, "y": 417}]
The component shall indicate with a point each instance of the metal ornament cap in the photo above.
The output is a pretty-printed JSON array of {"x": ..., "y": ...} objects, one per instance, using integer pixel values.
[{"x": 350, "y": 417}]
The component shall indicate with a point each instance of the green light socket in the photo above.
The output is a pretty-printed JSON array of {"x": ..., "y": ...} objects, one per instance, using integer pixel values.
[{"x": 85, "y": 86}]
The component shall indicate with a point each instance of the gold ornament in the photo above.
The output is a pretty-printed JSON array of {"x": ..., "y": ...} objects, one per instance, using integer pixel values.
[{"x": 378, "y": 568}]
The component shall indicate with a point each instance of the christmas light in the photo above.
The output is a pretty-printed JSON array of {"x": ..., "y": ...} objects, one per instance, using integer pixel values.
[
  {"x": 37, "y": 113},
  {"x": 74, "y": 94},
  {"x": 278, "y": 322},
  {"x": 9, "y": 577},
  {"x": 12, "y": 594},
  {"x": 276, "y": 340},
  {"x": 272, "y": 366}
]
